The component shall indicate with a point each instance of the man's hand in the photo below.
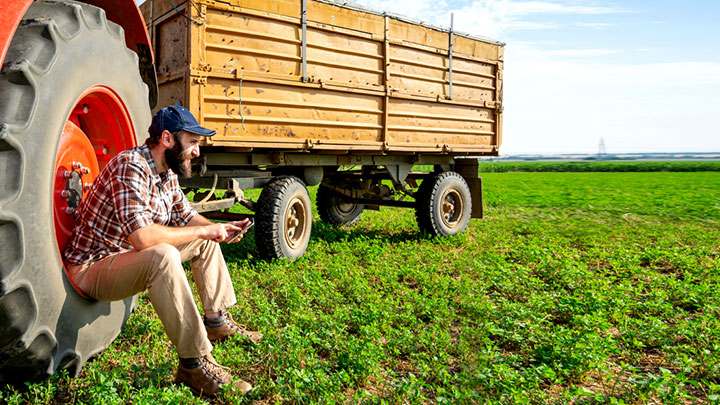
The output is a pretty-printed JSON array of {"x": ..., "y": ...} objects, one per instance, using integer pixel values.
[
  {"x": 214, "y": 234},
  {"x": 244, "y": 225},
  {"x": 199, "y": 227},
  {"x": 220, "y": 232}
]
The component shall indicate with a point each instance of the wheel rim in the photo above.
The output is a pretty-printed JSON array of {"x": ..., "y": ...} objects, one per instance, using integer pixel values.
[
  {"x": 98, "y": 128},
  {"x": 345, "y": 208},
  {"x": 342, "y": 207},
  {"x": 452, "y": 208},
  {"x": 295, "y": 223}
]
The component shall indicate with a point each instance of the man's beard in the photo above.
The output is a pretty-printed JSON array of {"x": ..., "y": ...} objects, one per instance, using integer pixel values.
[{"x": 178, "y": 161}]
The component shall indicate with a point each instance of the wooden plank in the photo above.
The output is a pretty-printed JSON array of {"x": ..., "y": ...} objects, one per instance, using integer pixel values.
[
  {"x": 251, "y": 34},
  {"x": 292, "y": 121},
  {"x": 440, "y": 117},
  {"x": 439, "y": 130},
  {"x": 218, "y": 98},
  {"x": 250, "y": 51},
  {"x": 345, "y": 51}
]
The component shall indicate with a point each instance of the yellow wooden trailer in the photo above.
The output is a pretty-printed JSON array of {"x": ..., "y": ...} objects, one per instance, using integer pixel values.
[{"x": 299, "y": 90}]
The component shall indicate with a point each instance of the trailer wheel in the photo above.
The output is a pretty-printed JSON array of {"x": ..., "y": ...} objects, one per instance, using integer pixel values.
[
  {"x": 334, "y": 210},
  {"x": 443, "y": 204},
  {"x": 283, "y": 219},
  {"x": 71, "y": 97}
]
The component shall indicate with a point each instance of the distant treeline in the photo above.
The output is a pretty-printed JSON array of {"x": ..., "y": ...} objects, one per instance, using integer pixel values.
[{"x": 626, "y": 166}]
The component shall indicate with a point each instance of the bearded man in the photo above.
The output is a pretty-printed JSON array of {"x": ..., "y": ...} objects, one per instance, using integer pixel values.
[{"x": 134, "y": 231}]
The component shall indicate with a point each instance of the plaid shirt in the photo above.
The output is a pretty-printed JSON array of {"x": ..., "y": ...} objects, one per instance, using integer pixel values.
[{"x": 127, "y": 195}]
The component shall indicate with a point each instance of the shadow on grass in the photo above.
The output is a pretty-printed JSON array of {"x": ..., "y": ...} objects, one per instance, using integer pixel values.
[
  {"x": 246, "y": 249},
  {"x": 330, "y": 233}
]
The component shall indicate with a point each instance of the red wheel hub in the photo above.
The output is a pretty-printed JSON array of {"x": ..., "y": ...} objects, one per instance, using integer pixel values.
[{"x": 98, "y": 128}]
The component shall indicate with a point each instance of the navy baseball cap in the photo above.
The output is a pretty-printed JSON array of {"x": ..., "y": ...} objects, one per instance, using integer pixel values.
[{"x": 176, "y": 118}]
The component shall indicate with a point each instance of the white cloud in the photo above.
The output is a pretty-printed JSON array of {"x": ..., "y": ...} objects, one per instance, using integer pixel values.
[
  {"x": 538, "y": 50},
  {"x": 555, "y": 105},
  {"x": 494, "y": 18},
  {"x": 527, "y": 25},
  {"x": 598, "y": 26},
  {"x": 581, "y": 52},
  {"x": 521, "y": 8},
  {"x": 421, "y": 9}
]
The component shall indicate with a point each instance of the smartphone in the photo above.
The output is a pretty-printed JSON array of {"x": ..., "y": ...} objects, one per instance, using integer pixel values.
[{"x": 239, "y": 234}]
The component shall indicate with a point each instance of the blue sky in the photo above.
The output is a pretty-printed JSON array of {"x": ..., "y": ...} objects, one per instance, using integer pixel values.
[{"x": 643, "y": 75}]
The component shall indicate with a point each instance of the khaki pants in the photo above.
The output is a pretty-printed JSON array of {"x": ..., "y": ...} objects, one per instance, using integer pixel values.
[{"x": 159, "y": 270}]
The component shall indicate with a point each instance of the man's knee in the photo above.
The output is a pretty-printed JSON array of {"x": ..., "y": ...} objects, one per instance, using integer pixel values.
[
  {"x": 209, "y": 245},
  {"x": 166, "y": 255},
  {"x": 167, "y": 264},
  {"x": 205, "y": 249}
]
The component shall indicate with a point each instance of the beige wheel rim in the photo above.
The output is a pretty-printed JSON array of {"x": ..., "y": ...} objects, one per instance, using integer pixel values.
[
  {"x": 452, "y": 208},
  {"x": 296, "y": 221}
]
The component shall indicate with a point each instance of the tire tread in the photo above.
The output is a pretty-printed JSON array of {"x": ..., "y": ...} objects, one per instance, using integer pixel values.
[
  {"x": 324, "y": 203},
  {"x": 267, "y": 231},
  {"x": 29, "y": 344},
  {"x": 426, "y": 194}
]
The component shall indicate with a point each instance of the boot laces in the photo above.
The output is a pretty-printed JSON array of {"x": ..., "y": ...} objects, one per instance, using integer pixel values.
[
  {"x": 214, "y": 370},
  {"x": 229, "y": 321}
]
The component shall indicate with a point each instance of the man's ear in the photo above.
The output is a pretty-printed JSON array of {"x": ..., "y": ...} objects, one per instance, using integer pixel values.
[{"x": 167, "y": 139}]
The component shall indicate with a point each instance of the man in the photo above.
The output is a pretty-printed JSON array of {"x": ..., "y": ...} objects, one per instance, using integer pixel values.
[{"x": 134, "y": 230}]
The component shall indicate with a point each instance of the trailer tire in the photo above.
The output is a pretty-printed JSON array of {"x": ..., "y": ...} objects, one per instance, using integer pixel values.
[
  {"x": 283, "y": 219},
  {"x": 443, "y": 204},
  {"x": 333, "y": 210},
  {"x": 61, "y": 52}
]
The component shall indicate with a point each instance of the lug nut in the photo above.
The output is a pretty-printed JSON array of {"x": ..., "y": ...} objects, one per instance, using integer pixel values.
[
  {"x": 70, "y": 211},
  {"x": 67, "y": 174},
  {"x": 87, "y": 186},
  {"x": 84, "y": 170},
  {"x": 64, "y": 194},
  {"x": 76, "y": 165}
]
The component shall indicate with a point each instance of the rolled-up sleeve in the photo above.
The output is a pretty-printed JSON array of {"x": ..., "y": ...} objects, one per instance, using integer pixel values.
[{"x": 131, "y": 198}]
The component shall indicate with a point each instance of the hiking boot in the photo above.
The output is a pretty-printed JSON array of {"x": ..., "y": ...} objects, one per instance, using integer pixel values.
[
  {"x": 207, "y": 379},
  {"x": 228, "y": 328}
]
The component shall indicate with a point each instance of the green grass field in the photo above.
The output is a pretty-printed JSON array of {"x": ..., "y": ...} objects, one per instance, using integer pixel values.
[
  {"x": 586, "y": 287},
  {"x": 602, "y": 166}
]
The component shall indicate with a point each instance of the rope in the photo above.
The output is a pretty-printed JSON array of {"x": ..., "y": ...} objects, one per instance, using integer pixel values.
[
  {"x": 211, "y": 193},
  {"x": 188, "y": 18}
]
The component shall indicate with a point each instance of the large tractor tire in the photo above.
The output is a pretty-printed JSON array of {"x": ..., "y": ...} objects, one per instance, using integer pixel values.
[
  {"x": 443, "y": 204},
  {"x": 334, "y": 210},
  {"x": 283, "y": 219},
  {"x": 71, "y": 98}
]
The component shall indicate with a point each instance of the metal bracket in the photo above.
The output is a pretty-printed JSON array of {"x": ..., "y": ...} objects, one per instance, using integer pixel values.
[
  {"x": 277, "y": 157},
  {"x": 353, "y": 198},
  {"x": 215, "y": 205},
  {"x": 242, "y": 117},
  {"x": 208, "y": 203},
  {"x": 450, "y": 55},
  {"x": 398, "y": 174},
  {"x": 304, "y": 41}
]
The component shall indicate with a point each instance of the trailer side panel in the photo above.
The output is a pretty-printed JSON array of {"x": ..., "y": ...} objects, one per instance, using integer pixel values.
[{"x": 373, "y": 82}]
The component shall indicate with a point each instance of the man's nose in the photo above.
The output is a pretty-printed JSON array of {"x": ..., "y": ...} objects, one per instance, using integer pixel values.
[{"x": 195, "y": 151}]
